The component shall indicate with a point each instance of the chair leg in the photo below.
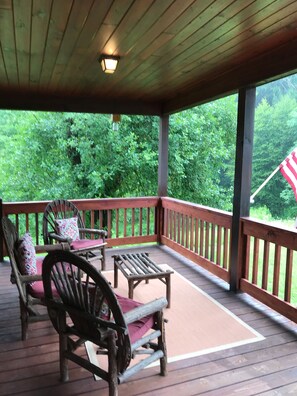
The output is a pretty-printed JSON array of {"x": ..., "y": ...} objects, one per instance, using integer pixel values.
[
  {"x": 63, "y": 345},
  {"x": 103, "y": 267},
  {"x": 24, "y": 320},
  {"x": 112, "y": 365},
  {"x": 162, "y": 343}
]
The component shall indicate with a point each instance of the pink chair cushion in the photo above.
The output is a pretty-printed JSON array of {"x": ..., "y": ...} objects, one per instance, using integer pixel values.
[
  {"x": 85, "y": 243},
  {"x": 27, "y": 255},
  {"x": 140, "y": 327},
  {"x": 36, "y": 288},
  {"x": 68, "y": 228}
]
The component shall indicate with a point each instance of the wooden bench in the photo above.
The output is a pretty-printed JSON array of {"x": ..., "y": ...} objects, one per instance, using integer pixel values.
[{"x": 137, "y": 267}]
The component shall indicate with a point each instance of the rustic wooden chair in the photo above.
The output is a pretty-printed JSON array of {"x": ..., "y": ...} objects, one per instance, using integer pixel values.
[
  {"x": 88, "y": 310},
  {"x": 30, "y": 287},
  {"x": 62, "y": 222}
]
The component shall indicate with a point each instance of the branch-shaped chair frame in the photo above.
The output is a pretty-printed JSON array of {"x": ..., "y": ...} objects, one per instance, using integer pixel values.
[
  {"x": 88, "y": 309},
  {"x": 31, "y": 307},
  {"x": 92, "y": 241}
]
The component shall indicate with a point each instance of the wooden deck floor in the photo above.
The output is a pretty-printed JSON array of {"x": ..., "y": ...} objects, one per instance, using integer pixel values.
[{"x": 267, "y": 367}]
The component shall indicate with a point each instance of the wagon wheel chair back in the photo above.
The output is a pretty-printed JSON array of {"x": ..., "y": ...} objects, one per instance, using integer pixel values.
[
  {"x": 62, "y": 222},
  {"x": 88, "y": 310}
]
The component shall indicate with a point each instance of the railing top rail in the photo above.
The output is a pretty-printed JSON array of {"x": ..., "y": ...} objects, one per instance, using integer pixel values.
[
  {"x": 277, "y": 234},
  {"x": 205, "y": 213},
  {"x": 82, "y": 204}
]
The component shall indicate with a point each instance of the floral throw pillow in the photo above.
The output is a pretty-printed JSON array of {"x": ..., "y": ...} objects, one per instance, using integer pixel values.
[
  {"x": 68, "y": 228},
  {"x": 27, "y": 255}
]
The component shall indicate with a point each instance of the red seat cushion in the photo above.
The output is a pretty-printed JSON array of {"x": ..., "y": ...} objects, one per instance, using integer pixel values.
[
  {"x": 136, "y": 329},
  {"x": 85, "y": 243},
  {"x": 140, "y": 327},
  {"x": 36, "y": 288}
]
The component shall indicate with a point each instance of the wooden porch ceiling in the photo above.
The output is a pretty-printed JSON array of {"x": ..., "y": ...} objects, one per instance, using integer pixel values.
[{"x": 174, "y": 53}]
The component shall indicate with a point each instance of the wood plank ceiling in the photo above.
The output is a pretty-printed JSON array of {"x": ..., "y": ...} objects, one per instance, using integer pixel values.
[{"x": 173, "y": 54}]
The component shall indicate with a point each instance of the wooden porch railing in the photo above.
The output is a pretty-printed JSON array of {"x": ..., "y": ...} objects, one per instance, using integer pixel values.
[
  {"x": 267, "y": 259},
  {"x": 127, "y": 220},
  {"x": 199, "y": 233},
  {"x": 269, "y": 265}
]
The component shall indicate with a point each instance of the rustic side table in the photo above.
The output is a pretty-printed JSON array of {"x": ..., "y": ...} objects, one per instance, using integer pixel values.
[{"x": 137, "y": 267}]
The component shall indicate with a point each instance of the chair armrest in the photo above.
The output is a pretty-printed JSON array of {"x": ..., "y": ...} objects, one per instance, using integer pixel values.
[
  {"x": 102, "y": 233},
  {"x": 145, "y": 310},
  {"x": 30, "y": 278},
  {"x": 59, "y": 238},
  {"x": 50, "y": 248}
]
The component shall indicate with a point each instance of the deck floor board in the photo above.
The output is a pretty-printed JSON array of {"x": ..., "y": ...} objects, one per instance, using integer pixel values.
[{"x": 267, "y": 367}]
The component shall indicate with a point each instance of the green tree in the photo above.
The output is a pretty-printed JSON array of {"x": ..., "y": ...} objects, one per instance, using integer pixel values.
[
  {"x": 275, "y": 137},
  {"x": 202, "y": 152}
]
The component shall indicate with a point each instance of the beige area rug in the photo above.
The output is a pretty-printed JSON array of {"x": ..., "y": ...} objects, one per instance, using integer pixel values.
[{"x": 197, "y": 324}]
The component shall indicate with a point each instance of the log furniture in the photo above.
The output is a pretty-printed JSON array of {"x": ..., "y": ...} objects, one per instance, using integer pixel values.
[
  {"x": 137, "y": 267},
  {"x": 87, "y": 242},
  {"x": 120, "y": 327},
  {"x": 30, "y": 287}
]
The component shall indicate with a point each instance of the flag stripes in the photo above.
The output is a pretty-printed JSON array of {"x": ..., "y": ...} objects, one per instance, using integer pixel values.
[{"x": 288, "y": 169}]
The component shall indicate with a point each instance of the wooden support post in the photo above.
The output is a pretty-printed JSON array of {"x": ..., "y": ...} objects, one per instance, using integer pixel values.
[
  {"x": 1, "y": 233},
  {"x": 242, "y": 178},
  {"x": 163, "y": 156},
  {"x": 162, "y": 170}
]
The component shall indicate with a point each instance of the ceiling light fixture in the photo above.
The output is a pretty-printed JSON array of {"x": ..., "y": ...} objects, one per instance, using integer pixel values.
[{"x": 109, "y": 63}]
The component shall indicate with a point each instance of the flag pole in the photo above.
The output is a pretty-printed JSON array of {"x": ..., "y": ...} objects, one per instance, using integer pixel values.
[{"x": 263, "y": 184}]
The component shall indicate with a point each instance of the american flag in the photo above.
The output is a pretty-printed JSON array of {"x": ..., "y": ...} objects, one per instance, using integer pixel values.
[{"x": 288, "y": 169}]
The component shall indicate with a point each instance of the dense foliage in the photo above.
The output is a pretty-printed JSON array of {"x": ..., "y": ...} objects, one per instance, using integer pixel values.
[
  {"x": 275, "y": 137},
  {"x": 51, "y": 155},
  {"x": 71, "y": 155}
]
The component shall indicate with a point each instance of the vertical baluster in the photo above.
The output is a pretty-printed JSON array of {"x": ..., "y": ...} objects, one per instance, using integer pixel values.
[
  {"x": 182, "y": 230},
  {"x": 196, "y": 235},
  {"x": 219, "y": 245},
  {"x": 17, "y": 223},
  {"x": 191, "y": 233},
  {"x": 109, "y": 223},
  {"x": 36, "y": 229},
  {"x": 117, "y": 223},
  {"x": 225, "y": 248},
  {"x": 246, "y": 264},
  {"x": 255, "y": 261},
  {"x": 140, "y": 221},
  {"x": 174, "y": 226},
  {"x": 276, "y": 270},
  {"x": 266, "y": 249},
  {"x": 133, "y": 221},
  {"x": 148, "y": 221},
  {"x": 206, "y": 247},
  {"x": 212, "y": 242},
  {"x": 201, "y": 237},
  {"x": 125, "y": 222},
  {"x": 178, "y": 228},
  {"x": 289, "y": 271},
  {"x": 27, "y": 223},
  {"x": 187, "y": 231},
  {"x": 92, "y": 222}
]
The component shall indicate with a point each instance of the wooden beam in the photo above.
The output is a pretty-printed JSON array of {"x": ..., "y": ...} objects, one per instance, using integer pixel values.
[
  {"x": 163, "y": 156},
  {"x": 242, "y": 178},
  {"x": 33, "y": 100}
]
